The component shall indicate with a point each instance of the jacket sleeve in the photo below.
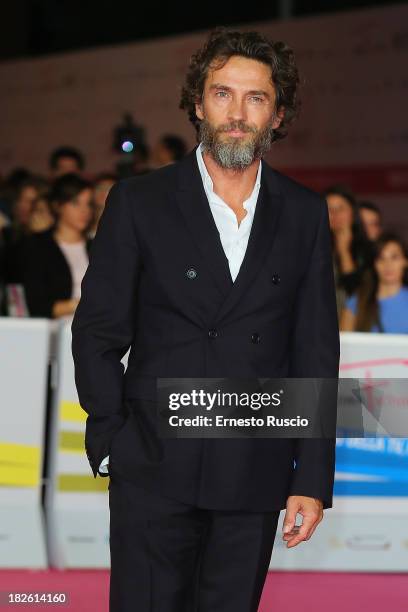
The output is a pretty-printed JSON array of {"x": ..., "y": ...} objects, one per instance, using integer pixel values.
[
  {"x": 103, "y": 324},
  {"x": 315, "y": 352}
]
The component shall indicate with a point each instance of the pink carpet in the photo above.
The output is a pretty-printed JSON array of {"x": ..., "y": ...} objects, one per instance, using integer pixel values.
[{"x": 87, "y": 591}]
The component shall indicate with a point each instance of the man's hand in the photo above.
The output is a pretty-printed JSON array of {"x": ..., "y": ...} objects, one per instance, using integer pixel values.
[{"x": 311, "y": 509}]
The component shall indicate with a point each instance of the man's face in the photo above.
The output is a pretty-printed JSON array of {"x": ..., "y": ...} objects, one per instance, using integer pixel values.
[
  {"x": 237, "y": 112},
  {"x": 66, "y": 165},
  {"x": 371, "y": 222}
]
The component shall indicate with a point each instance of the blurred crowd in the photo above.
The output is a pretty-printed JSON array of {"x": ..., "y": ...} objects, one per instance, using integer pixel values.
[
  {"x": 370, "y": 264},
  {"x": 47, "y": 225}
]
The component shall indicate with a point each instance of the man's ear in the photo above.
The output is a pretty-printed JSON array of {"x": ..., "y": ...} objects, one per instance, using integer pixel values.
[
  {"x": 199, "y": 109},
  {"x": 278, "y": 117}
]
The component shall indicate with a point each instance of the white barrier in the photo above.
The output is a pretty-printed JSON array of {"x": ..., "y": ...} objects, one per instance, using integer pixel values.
[
  {"x": 76, "y": 503},
  {"x": 365, "y": 532},
  {"x": 24, "y": 348}
]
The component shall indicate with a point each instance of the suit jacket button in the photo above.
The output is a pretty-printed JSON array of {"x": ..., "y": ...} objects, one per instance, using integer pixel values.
[
  {"x": 191, "y": 273},
  {"x": 276, "y": 279},
  {"x": 212, "y": 333},
  {"x": 255, "y": 338}
]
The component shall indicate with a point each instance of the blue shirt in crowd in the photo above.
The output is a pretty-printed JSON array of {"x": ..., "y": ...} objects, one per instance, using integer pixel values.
[{"x": 393, "y": 312}]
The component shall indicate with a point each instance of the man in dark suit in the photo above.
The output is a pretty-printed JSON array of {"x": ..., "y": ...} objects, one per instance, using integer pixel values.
[{"x": 215, "y": 266}]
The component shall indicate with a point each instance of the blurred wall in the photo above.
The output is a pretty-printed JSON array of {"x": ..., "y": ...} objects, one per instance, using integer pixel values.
[{"x": 353, "y": 125}]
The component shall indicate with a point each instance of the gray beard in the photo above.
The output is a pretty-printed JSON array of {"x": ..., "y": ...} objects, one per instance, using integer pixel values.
[{"x": 236, "y": 154}]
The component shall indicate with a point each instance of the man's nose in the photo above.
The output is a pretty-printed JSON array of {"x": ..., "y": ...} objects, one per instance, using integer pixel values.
[{"x": 237, "y": 110}]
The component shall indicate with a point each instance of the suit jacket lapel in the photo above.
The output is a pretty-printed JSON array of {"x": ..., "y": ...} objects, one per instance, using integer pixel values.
[
  {"x": 193, "y": 204},
  {"x": 264, "y": 225}
]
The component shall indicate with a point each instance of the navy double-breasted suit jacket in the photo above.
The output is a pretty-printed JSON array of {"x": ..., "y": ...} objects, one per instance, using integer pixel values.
[{"x": 278, "y": 319}]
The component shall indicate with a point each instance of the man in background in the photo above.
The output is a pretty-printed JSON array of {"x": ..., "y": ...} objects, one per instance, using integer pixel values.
[
  {"x": 66, "y": 160},
  {"x": 169, "y": 149}
]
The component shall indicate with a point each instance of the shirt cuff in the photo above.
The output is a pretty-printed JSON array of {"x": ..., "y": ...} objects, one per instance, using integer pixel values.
[{"x": 104, "y": 465}]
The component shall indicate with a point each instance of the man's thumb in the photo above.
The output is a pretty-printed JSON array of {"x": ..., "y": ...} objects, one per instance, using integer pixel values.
[{"x": 289, "y": 522}]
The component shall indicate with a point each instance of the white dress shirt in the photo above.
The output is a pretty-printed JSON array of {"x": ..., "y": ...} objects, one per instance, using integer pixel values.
[{"x": 234, "y": 237}]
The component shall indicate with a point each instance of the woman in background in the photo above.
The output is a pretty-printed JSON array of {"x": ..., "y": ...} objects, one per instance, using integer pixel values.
[
  {"x": 352, "y": 252},
  {"x": 23, "y": 203},
  {"x": 41, "y": 217},
  {"x": 371, "y": 219},
  {"x": 55, "y": 260},
  {"x": 381, "y": 302}
]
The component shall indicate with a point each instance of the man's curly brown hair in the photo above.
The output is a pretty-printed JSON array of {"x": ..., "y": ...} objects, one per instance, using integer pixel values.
[{"x": 223, "y": 43}]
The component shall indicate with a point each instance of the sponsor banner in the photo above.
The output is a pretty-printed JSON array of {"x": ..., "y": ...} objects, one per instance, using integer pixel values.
[{"x": 375, "y": 465}]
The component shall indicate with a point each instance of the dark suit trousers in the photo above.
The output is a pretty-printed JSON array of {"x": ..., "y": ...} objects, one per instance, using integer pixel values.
[{"x": 168, "y": 556}]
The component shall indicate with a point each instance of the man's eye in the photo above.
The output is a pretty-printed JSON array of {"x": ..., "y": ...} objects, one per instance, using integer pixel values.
[
  {"x": 257, "y": 99},
  {"x": 221, "y": 93}
]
